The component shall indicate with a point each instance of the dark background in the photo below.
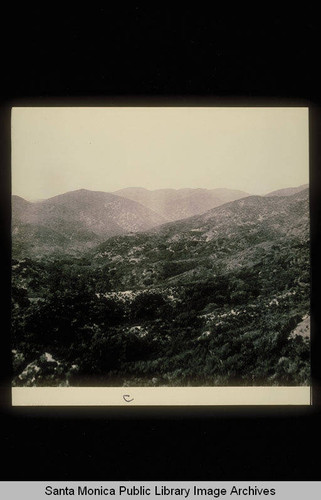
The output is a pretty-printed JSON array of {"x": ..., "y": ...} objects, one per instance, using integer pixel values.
[{"x": 141, "y": 56}]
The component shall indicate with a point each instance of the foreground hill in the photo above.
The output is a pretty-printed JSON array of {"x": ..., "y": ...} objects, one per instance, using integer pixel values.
[
  {"x": 75, "y": 220},
  {"x": 175, "y": 204},
  {"x": 216, "y": 299}
]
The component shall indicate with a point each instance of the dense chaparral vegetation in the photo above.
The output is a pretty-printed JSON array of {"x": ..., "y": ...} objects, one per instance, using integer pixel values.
[{"x": 210, "y": 300}]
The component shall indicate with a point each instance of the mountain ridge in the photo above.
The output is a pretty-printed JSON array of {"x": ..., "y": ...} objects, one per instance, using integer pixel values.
[
  {"x": 83, "y": 217},
  {"x": 288, "y": 191},
  {"x": 241, "y": 228}
]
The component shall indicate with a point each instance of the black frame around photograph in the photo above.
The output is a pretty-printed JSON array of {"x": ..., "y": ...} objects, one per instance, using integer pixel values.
[{"x": 186, "y": 443}]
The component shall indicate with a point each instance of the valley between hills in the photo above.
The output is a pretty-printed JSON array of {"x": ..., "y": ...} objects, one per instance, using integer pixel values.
[{"x": 189, "y": 287}]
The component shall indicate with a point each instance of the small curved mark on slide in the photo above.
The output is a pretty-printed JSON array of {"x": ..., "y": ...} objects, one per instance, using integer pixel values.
[{"x": 126, "y": 396}]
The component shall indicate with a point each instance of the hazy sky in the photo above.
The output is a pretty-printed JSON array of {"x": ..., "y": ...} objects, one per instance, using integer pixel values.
[{"x": 257, "y": 150}]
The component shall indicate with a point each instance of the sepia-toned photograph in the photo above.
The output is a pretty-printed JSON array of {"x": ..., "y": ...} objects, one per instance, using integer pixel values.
[{"x": 160, "y": 247}]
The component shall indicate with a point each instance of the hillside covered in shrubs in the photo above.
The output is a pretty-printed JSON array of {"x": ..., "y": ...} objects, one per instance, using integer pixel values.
[{"x": 209, "y": 300}]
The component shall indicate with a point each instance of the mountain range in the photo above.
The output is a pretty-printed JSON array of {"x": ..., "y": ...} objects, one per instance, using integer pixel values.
[
  {"x": 215, "y": 299},
  {"x": 82, "y": 219}
]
